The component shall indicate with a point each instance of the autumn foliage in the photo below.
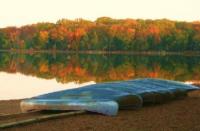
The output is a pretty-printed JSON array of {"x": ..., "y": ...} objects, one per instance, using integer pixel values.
[
  {"x": 104, "y": 34},
  {"x": 100, "y": 68}
]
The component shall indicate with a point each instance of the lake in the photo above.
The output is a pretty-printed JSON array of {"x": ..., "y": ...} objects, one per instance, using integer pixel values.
[{"x": 27, "y": 75}]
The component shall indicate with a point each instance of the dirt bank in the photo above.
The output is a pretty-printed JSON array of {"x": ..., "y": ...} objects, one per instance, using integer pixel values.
[{"x": 178, "y": 115}]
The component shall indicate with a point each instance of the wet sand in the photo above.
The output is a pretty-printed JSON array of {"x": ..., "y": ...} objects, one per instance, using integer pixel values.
[{"x": 179, "y": 115}]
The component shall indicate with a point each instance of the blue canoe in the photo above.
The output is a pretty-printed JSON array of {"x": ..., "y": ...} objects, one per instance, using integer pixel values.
[{"x": 108, "y": 98}]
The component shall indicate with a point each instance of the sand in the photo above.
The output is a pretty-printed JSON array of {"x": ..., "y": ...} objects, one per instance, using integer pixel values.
[{"x": 179, "y": 115}]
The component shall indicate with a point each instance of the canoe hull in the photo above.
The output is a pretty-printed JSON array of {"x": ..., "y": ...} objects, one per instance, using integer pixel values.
[{"x": 107, "y": 98}]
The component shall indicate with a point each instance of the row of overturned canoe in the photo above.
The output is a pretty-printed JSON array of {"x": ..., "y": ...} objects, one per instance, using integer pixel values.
[{"x": 108, "y": 98}]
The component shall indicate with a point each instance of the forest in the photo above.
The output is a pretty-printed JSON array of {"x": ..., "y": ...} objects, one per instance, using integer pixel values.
[{"x": 104, "y": 34}]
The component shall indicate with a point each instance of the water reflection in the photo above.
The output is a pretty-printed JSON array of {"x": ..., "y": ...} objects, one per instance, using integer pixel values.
[
  {"x": 83, "y": 68},
  {"x": 46, "y": 72},
  {"x": 19, "y": 86}
]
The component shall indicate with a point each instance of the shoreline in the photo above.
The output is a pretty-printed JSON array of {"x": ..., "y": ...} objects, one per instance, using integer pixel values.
[
  {"x": 176, "y": 115},
  {"x": 182, "y": 114},
  {"x": 31, "y": 51}
]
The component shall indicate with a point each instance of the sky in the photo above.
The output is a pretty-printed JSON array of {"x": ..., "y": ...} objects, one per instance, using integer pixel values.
[{"x": 22, "y": 12}]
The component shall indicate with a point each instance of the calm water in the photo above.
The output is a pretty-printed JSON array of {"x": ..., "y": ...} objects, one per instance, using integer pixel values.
[{"x": 25, "y": 75}]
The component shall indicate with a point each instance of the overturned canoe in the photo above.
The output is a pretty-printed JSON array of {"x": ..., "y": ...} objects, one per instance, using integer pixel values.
[{"x": 107, "y": 98}]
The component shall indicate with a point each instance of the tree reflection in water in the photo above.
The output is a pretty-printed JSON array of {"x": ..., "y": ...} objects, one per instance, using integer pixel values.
[{"x": 101, "y": 68}]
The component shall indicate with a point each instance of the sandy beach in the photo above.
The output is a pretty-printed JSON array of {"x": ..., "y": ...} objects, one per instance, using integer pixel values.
[{"x": 179, "y": 115}]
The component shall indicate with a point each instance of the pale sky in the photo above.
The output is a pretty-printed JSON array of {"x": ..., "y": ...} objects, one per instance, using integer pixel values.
[{"x": 21, "y": 12}]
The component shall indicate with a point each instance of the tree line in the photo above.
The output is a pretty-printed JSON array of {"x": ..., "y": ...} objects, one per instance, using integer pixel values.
[{"x": 104, "y": 34}]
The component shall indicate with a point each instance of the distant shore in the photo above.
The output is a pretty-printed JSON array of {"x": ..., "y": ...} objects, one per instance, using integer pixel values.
[{"x": 32, "y": 51}]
